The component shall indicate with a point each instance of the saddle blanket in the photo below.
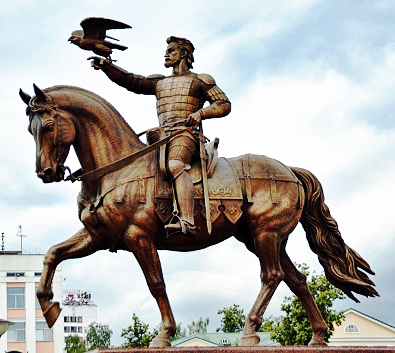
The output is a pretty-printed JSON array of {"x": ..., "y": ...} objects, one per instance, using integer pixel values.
[{"x": 224, "y": 189}]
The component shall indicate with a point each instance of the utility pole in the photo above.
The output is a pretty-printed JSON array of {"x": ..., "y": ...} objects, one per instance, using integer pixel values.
[{"x": 20, "y": 235}]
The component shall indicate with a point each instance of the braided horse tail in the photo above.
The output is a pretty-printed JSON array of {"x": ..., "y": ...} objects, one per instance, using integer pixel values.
[{"x": 341, "y": 263}]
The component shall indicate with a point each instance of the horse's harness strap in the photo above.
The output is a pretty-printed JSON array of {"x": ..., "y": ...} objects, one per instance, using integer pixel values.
[
  {"x": 99, "y": 172},
  {"x": 119, "y": 192},
  {"x": 246, "y": 176}
]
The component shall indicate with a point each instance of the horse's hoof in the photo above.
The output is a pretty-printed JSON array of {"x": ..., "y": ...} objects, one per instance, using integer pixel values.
[
  {"x": 317, "y": 343},
  {"x": 52, "y": 313},
  {"x": 160, "y": 343},
  {"x": 249, "y": 340}
]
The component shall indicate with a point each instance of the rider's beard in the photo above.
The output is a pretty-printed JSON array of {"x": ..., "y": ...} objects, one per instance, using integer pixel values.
[{"x": 171, "y": 63}]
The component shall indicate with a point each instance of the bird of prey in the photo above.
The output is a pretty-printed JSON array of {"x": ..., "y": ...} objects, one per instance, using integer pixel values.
[{"x": 93, "y": 36}]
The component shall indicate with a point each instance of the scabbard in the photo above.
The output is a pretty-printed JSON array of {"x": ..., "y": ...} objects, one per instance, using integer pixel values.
[{"x": 203, "y": 161}]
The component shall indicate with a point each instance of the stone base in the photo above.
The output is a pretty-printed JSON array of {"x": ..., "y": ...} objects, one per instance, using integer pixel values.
[{"x": 295, "y": 349}]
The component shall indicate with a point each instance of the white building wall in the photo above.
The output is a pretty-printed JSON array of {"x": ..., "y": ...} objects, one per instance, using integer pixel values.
[
  {"x": 88, "y": 313},
  {"x": 30, "y": 303},
  {"x": 3, "y": 310},
  {"x": 58, "y": 327}
]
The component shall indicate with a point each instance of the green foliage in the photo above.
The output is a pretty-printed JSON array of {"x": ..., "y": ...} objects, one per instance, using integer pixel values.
[
  {"x": 198, "y": 326},
  {"x": 137, "y": 334},
  {"x": 180, "y": 332},
  {"x": 98, "y": 336},
  {"x": 268, "y": 324},
  {"x": 74, "y": 345},
  {"x": 294, "y": 327},
  {"x": 233, "y": 319}
]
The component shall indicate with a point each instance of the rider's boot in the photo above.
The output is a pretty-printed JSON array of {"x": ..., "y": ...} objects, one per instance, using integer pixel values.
[{"x": 184, "y": 192}]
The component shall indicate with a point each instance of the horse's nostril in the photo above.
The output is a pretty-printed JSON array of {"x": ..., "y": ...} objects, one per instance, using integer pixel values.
[{"x": 48, "y": 171}]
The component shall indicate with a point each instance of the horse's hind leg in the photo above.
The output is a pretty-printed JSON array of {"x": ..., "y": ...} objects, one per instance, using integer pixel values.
[
  {"x": 79, "y": 245},
  {"x": 267, "y": 245},
  {"x": 296, "y": 281}
]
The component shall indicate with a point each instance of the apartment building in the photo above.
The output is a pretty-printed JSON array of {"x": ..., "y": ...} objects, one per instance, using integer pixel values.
[
  {"x": 19, "y": 278},
  {"x": 79, "y": 311}
]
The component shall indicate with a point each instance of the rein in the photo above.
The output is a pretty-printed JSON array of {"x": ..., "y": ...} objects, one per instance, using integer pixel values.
[{"x": 120, "y": 163}]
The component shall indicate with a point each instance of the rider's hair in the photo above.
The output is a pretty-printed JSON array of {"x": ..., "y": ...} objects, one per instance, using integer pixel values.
[{"x": 186, "y": 45}]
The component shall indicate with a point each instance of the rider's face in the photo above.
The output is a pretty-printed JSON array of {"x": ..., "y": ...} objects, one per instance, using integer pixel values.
[{"x": 172, "y": 55}]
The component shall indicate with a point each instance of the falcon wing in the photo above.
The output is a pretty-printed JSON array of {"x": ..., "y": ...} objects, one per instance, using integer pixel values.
[{"x": 95, "y": 27}]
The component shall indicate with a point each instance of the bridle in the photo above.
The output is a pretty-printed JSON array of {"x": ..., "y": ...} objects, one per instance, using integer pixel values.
[{"x": 35, "y": 106}]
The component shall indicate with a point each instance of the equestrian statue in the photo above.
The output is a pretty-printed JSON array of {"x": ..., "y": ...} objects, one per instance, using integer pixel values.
[{"x": 174, "y": 193}]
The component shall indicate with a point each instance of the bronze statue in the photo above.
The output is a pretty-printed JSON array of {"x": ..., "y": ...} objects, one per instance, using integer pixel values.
[
  {"x": 180, "y": 98},
  {"x": 256, "y": 199}
]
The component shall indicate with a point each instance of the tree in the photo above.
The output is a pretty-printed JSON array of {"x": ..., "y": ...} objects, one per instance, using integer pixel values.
[
  {"x": 74, "y": 345},
  {"x": 180, "y": 332},
  {"x": 98, "y": 336},
  {"x": 198, "y": 326},
  {"x": 137, "y": 334},
  {"x": 294, "y": 327},
  {"x": 233, "y": 319}
]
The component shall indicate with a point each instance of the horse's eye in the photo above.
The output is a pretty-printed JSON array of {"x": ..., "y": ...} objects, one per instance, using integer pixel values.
[{"x": 50, "y": 127}]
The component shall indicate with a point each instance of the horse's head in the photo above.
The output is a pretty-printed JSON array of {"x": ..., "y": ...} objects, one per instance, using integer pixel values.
[{"x": 53, "y": 131}]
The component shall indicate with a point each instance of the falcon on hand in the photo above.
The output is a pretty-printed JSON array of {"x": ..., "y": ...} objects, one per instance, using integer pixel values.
[{"x": 93, "y": 36}]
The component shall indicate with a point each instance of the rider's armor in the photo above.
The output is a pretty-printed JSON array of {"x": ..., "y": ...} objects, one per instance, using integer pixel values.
[{"x": 177, "y": 97}]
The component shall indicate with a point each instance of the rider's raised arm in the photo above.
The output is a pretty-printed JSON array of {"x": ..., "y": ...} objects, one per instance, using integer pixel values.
[{"x": 132, "y": 82}]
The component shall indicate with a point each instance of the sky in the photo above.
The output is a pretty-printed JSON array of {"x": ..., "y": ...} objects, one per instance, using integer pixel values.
[{"x": 310, "y": 83}]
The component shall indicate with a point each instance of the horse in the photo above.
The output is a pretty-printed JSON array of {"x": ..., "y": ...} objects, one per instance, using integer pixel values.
[{"x": 114, "y": 216}]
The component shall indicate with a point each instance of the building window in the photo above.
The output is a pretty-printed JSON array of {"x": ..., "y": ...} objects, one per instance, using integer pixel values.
[
  {"x": 15, "y": 298},
  {"x": 15, "y": 274},
  {"x": 352, "y": 328},
  {"x": 16, "y": 332},
  {"x": 79, "y": 319},
  {"x": 73, "y": 329},
  {"x": 225, "y": 341},
  {"x": 37, "y": 274},
  {"x": 67, "y": 319},
  {"x": 43, "y": 332},
  {"x": 79, "y": 329},
  {"x": 67, "y": 329},
  {"x": 73, "y": 319}
]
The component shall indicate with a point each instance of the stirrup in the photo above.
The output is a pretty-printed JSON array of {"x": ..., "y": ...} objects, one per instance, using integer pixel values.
[{"x": 180, "y": 226}]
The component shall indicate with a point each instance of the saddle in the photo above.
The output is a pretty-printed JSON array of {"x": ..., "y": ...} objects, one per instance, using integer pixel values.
[{"x": 224, "y": 188}]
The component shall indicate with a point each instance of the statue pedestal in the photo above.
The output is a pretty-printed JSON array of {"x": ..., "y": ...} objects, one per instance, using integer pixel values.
[{"x": 293, "y": 349}]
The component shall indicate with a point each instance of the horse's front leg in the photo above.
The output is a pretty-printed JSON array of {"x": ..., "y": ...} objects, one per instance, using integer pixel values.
[
  {"x": 147, "y": 256},
  {"x": 79, "y": 245}
]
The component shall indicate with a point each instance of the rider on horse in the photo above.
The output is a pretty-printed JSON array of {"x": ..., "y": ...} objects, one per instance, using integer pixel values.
[{"x": 180, "y": 99}]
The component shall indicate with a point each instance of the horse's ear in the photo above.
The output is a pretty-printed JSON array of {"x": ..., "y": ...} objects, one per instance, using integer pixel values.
[
  {"x": 25, "y": 97},
  {"x": 42, "y": 97}
]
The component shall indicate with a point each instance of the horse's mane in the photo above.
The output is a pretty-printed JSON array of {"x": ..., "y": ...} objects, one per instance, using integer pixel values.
[{"x": 91, "y": 95}]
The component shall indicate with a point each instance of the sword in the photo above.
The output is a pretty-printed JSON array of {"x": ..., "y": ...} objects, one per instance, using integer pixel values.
[{"x": 203, "y": 160}]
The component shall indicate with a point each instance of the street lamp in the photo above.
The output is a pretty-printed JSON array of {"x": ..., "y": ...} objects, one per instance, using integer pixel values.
[{"x": 4, "y": 324}]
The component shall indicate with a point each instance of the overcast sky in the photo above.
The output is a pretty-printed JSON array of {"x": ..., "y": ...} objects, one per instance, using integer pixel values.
[{"x": 312, "y": 84}]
